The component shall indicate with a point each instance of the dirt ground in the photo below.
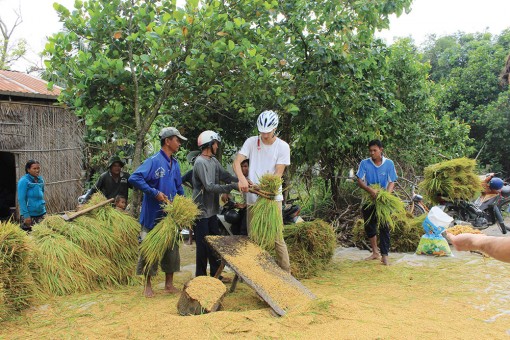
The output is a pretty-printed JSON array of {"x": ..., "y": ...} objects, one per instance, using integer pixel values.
[{"x": 459, "y": 297}]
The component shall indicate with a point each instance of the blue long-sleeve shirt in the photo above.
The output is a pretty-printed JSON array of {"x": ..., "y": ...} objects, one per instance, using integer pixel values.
[
  {"x": 158, "y": 173},
  {"x": 31, "y": 196}
]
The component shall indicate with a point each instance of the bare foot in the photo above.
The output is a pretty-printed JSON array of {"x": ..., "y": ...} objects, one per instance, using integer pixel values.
[
  {"x": 148, "y": 292},
  {"x": 373, "y": 257},
  {"x": 172, "y": 290},
  {"x": 384, "y": 260}
]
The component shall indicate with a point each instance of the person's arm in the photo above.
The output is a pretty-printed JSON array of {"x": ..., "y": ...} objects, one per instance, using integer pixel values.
[
  {"x": 200, "y": 171},
  {"x": 280, "y": 169},
  {"x": 95, "y": 187},
  {"x": 243, "y": 184},
  {"x": 390, "y": 187},
  {"x": 496, "y": 247},
  {"x": 226, "y": 177},
  {"x": 361, "y": 183},
  {"x": 178, "y": 179},
  {"x": 364, "y": 186},
  {"x": 392, "y": 177},
  {"x": 22, "y": 198},
  {"x": 138, "y": 179}
]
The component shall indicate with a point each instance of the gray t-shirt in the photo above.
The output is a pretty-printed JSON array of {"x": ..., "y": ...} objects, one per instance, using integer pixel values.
[{"x": 207, "y": 175}]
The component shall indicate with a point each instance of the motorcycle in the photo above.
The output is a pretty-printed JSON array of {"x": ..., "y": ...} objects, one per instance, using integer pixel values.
[
  {"x": 291, "y": 212},
  {"x": 490, "y": 208}
]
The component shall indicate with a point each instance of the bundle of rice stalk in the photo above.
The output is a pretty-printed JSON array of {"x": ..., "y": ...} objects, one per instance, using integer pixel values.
[
  {"x": 311, "y": 246},
  {"x": 454, "y": 179},
  {"x": 4, "y": 312},
  {"x": 407, "y": 233},
  {"x": 61, "y": 266},
  {"x": 124, "y": 230},
  {"x": 267, "y": 223},
  {"x": 180, "y": 213},
  {"x": 17, "y": 285},
  {"x": 388, "y": 207},
  {"x": 183, "y": 211},
  {"x": 165, "y": 235}
]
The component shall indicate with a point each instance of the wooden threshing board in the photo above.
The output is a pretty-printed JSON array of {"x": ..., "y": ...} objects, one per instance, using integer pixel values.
[{"x": 257, "y": 268}]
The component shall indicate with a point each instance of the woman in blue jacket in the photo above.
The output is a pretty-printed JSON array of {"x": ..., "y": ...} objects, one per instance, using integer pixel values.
[{"x": 31, "y": 202}]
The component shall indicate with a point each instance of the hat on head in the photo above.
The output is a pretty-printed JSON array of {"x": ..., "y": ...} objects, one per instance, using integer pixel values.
[
  {"x": 115, "y": 159},
  {"x": 169, "y": 132}
]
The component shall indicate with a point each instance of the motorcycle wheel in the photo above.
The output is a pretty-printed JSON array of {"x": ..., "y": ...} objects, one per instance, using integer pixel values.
[
  {"x": 504, "y": 208},
  {"x": 458, "y": 220},
  {"x": 415, "y": 209}
]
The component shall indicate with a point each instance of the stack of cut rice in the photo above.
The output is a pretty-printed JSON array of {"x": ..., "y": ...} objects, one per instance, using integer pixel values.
[
  {"x": 405, "y": 237},
  {"x": 16, "y": 282},
  {"x": 311, "y": 246},
  {"x": 452, "y": 180},
  {"x": 94, "y": 250}
]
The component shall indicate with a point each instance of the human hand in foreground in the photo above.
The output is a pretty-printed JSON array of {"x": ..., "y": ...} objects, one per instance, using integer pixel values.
[{"x": 161, "y": 197}]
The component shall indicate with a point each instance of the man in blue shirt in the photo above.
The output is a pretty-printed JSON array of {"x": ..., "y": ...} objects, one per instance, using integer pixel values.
[
  {"x": 376, "y": 170},
  {"x": 159, "y": 177}
]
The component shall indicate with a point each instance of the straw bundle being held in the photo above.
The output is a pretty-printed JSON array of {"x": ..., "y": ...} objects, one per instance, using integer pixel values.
[
  {"x": 180, "y": 214},
  {"x": 311, "y": 246},
  {"x": 454, "y": 180},
  {"x": 388, "y": 207},
  {"x": 267, "y": 223},
  {"x": 16, "y": 282}
]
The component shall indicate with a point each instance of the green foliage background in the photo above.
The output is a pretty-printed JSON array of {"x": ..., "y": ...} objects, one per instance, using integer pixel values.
[{"x": 132, "y": 67}]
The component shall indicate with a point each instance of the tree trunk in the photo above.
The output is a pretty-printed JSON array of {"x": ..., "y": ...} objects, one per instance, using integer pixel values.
[
  {"x": 201, "y": 295},
  {"x": 137, "y": 160}
]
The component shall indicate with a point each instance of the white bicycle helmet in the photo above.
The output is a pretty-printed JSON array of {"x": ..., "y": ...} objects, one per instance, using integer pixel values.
[
  {"x": 207, "y": 138},
  {"x": 267, "y": 121}
]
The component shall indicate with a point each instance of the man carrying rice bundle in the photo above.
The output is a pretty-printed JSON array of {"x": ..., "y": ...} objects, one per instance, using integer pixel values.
[
  {"x": 159, "y": 177},
  {"x": 376, "y": 170},
  {"x": 267, "y": 154}
]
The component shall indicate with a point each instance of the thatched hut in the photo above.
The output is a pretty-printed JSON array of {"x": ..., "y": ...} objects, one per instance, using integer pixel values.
[{"x": 33, "y": 126}]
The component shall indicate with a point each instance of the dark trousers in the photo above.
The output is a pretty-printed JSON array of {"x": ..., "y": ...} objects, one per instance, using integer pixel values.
[
  {"x": 371, "y": 226},
  {"x": 203, "y": 228}
]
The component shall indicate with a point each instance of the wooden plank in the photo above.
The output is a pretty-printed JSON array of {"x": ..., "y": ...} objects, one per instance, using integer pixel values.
[{"x": 257, "y": 268}]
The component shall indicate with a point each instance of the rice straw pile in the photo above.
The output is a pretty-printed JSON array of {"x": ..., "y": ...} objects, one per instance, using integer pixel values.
[
  {"x": 388, "y": 207},
  {"x": 404, "y": 238},
  {"x": 454, "y": 180},
  {"x": 96, "y": 250},
  {"x": 267, "y": 223},
  {"x": 311, "y": 246},
  {"x": 180, "y": 214},
  {"x": 16, "y": 282}
]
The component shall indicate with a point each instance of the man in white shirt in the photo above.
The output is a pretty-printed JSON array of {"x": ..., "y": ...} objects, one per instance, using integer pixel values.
[{"x": 267, "y": 154}]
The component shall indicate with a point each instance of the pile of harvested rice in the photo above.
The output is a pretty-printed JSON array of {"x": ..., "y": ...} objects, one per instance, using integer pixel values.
[
  {"x": 98, "y": 249},
  {"x": 388, "y": 207},
  {"x": 404, "y": 238},
  {"x": 267, "y": 223},
  {"x": 16, "y": 282},
  {"x": 453, "y": 180},
  {"x": 257, "y": 266},
  {"x": 207, "y": 290},
  {"x": 180, "y": 214},
  {"x": 311, "y": 246},
  {"x": 463, "y": 229}
]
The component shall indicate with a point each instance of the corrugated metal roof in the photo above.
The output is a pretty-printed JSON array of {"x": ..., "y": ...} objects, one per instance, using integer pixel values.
[{"x": 20, "y": 84}]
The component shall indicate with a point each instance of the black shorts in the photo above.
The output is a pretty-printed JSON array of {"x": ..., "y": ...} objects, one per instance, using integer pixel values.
[{"x": 370, "y": 220}]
